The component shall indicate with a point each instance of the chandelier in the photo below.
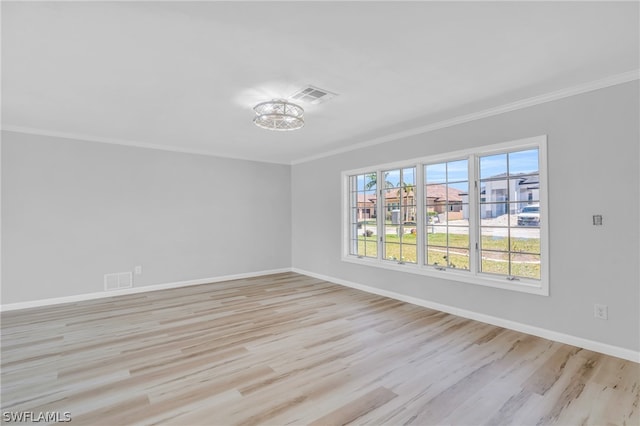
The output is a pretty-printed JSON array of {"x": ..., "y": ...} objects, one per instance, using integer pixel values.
[{"x": 278, "y": 114}]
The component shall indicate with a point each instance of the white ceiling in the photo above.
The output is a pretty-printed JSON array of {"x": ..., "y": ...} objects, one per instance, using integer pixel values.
[{"x": 185, "y": 75}]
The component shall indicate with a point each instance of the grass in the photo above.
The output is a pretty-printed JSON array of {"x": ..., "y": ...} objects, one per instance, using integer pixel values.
[{"x": 524, "y": 261}]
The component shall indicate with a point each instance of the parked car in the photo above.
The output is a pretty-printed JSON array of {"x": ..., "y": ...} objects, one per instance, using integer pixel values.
[{"x": 529, "y": 216}]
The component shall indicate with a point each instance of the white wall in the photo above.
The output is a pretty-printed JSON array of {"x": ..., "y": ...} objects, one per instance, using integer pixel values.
[
  {"x": 75, "y": 210},
  {"x": 593, "y": 154}
]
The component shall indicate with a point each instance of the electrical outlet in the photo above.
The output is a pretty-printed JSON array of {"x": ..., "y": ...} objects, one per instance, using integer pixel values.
[
  {"x": 600, "y": 311},
  {"x": 138, "y": 270},
  {"x": 597, "y": 220}
]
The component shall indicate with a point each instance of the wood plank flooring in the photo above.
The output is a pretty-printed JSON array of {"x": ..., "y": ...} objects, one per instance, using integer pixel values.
[{"x": 289, "y": 349}]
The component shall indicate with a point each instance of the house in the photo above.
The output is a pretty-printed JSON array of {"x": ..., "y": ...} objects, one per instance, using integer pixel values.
[
  {"x": 439, "y": 198},
  {"x": 496, "y": 193},
  {"x": 180, "y": 240}
]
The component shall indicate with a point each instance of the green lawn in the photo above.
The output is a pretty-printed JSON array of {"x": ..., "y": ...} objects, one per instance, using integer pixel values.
[{"x": 494, "y": 258}]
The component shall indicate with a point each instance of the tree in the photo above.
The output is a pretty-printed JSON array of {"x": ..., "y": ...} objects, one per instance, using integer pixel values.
[
  {"x": 406, "y": 189},
  {"x": 373, "y": 180}
]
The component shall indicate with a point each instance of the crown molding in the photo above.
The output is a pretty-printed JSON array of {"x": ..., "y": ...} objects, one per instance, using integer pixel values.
[
  {"x": 524, "y": 103},
  {"x": 136, "y": 144},
  {"x": 512, "y": 106}
]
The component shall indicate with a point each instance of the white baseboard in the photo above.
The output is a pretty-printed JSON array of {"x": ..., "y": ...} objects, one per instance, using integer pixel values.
[
  {"x": 134, "y": 290},
  {"x": 500, "y": 322}
]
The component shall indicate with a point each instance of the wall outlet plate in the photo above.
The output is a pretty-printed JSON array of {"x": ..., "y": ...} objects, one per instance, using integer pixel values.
[{"x": 138, "y": 270}]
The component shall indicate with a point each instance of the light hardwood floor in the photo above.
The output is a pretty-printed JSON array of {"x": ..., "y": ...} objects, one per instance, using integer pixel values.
[{"x": 290, "y": 349}]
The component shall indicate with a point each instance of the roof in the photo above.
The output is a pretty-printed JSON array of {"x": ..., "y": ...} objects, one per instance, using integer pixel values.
[
  {"x": 434, "y": 192},
  {"x": 438, "y": 192}
]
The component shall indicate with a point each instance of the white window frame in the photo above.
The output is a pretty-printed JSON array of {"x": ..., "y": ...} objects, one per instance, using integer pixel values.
[{"x": 473, "y": 276}]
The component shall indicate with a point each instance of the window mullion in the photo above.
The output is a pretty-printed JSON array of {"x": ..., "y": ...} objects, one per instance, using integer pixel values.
[
  {"x": 474, "y": 221},
  {"x": 420, "y": 213},
  {"x": 353, "y": 220},
  {"x": 380, "y": 214}
]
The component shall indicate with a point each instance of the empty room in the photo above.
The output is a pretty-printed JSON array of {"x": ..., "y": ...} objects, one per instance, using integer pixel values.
[{"x": 320, "y": 213}]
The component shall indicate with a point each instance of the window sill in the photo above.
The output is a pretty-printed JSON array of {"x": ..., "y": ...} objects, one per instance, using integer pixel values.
[{"x": 523, "y": 285}]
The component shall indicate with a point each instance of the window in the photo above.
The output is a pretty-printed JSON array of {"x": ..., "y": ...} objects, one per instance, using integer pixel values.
[
  {"x": 362, "y": 224},
  {"x": 476, "y": 216},
  {"x": 509, "y": 218},
  {"x": 399, "y": 221},
  {"x": 447, "y": 207}
]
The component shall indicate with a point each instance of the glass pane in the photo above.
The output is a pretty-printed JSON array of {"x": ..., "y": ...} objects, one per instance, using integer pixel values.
[
  {"x": 495, "y": 190},
  {"x": 457, "y": 212},
  {"x": 456, "y": 190},
  {"x": 408, "y": 253},
  {"x": 458, "y": 258},
  {"x": 435, "y": 194},
  {"x": 526, "y": 189},
  {"x": 489, "y": 220},
  {"x": 436, "y": 235},
  {"x": 391, "y": 233},
  {"x": 432, "y": 216},
  {"x": 360, "y": 182},
  {"x": 525, "y": 240},
  {"x": 494, "y": 239},
  {"x": 371, "y": 249},
  {"x": 367, "y": 247},
  {"x": 523, "y": 162},
  {"x": 435, "y": 173},
  {"x": 358, "y": 205},
  {"x": 525, "y": 265},
  {"x": 497, "y": 211},
  {"x": 458, "y": 170},
  {"x": 409, "y": 215},
  {"x": 392, "y": 178},
  {"x": 370, "y": 181},
  {"x": 458, "y": 236},
  {"x": 436, "y": 256},
  {"x": 409, "y": 232},
  {"x": 529, "y": 215},
  {"x": 409, "y": 176},
  {"x": 367, "y": 230},
  {"x": 392, "y": 251},
  {"x": 516, "y": 207},
  {"x": 493, "y": 166},
  {"x": 495, "y": 262}
]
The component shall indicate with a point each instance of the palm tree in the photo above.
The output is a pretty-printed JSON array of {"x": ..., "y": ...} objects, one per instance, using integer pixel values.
[
  {"x": 373, "y": 180},
  {"x": 406, "y": 188}
]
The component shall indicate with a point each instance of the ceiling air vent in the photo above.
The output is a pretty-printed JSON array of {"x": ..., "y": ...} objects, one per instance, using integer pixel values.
[{"x": 312, "y": 95}]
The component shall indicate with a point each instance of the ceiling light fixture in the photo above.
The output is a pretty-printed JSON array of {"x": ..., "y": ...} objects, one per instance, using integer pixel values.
[{"x": 278, "y": 114}]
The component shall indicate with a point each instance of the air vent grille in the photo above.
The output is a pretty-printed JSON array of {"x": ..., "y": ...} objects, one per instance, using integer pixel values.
[
  {"x": 118, "y": 280},
  {"x": 312, "y": 95}
]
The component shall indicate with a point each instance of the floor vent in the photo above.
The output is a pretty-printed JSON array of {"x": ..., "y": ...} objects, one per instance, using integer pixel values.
[
  {"x": 312, "y": 95},
  {"x": 118, "y": 281}
]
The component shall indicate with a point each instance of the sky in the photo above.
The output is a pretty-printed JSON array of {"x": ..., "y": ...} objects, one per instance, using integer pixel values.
[{"x": 456, "y": 173}]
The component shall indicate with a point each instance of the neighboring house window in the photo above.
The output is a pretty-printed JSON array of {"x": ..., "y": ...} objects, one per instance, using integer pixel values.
[
  {"x": 447, "y": 240},
  {"x": 362, "y": 228},
  {"x": 476, "y": 216}
]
